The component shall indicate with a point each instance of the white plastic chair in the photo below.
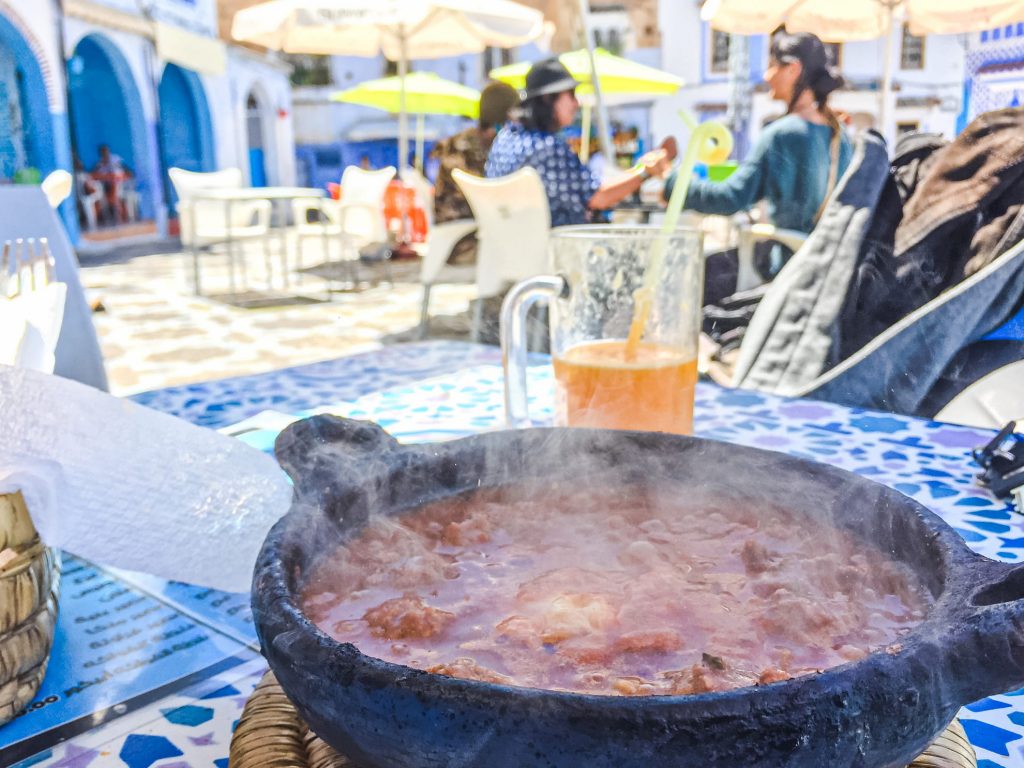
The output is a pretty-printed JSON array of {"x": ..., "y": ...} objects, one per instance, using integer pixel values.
[
  {"x": 207, "y": 219},
  {"x": 434, "y": 268},
  {"x": 513, "y": 222},
  {"x": 58, "y": 187},
  {"x": 749, "y": 235},
  {"x": 991, "y": 401},
  {"x": 357, "y": 219},
  {"x": 205, "y": 222},
  {"x": 128, "y": 196},
  {"x": 89, "y": 200}
]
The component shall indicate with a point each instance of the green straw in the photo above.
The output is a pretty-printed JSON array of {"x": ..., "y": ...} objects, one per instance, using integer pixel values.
[{"x": 711, "y": 143}]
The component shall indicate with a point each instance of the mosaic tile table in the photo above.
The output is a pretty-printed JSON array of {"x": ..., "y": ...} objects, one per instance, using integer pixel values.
[{"x": 151, "y": 674}]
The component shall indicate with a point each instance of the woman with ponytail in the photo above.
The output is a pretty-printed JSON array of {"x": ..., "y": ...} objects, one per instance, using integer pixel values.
[{"x": 797, "y": 160}]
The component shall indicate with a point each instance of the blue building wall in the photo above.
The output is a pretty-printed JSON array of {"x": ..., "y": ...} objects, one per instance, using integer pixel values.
[
  {"x": 105, "y": 108},
  {"x": 47, "y": 139},
  {"x": 185, "y": 128}
]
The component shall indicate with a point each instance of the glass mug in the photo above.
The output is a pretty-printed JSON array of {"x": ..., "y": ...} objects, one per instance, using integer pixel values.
[{"x": 591, "y": 301}]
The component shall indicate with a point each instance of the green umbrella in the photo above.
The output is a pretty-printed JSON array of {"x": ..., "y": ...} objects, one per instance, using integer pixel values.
[{"x": 425, "y": 94}]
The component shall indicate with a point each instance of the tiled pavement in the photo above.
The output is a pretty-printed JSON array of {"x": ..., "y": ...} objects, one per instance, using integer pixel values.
[{"x": 155, "y": 332}]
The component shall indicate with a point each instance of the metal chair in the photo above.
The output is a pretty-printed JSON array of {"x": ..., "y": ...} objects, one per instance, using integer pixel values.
[{"x": 513, "y": 222}]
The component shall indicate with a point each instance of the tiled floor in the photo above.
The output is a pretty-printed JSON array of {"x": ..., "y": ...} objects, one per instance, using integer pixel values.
[{"x": 156, "y": 332}]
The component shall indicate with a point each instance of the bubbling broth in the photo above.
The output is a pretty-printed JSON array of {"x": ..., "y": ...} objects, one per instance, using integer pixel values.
[{"x": 634, "y": 591}]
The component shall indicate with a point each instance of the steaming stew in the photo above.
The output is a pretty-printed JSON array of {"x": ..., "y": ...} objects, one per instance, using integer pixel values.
[{"x": 634, "y": 591}]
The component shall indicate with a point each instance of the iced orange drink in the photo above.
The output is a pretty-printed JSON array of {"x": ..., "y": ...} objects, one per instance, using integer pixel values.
[{"x": 597, "y": 386}]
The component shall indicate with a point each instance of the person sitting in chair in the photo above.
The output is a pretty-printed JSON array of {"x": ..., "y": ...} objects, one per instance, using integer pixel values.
[
  {"x": 574, "y": 193},
  {"x": 467, "y": 150}
]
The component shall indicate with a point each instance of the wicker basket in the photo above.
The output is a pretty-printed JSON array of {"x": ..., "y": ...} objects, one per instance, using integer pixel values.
[
  {"x": 270, "y": 734},
  {"x": 29, "y": 585}
]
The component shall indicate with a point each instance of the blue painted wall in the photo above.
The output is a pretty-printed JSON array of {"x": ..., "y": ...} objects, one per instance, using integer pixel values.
[
  {"x": 105, "y": 108},
  {"x": 186, "y": 133}
]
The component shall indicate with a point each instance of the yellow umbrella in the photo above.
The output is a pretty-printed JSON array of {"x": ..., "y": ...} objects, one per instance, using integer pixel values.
[
  {"x": 620, "y": 80},
  {"x": 618, "y": 76},
  {"x": 425, "y": 94}
]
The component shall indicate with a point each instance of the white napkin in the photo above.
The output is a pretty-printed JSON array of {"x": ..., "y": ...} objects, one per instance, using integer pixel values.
[
  {"x": 127, "y": 486},
  {"x": 31, "y": 326}
]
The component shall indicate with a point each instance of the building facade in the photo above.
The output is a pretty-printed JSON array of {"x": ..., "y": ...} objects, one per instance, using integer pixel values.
[
  {"x": 154, "y": 82},
  {"x": 995, "y": 71},
  {"x": 928, "y": 76}
]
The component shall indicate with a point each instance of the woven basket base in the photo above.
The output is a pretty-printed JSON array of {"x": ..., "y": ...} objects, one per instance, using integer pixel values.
[{"x": 271, "y": 735}]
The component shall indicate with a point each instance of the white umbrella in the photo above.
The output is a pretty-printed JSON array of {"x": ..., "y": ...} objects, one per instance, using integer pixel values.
[
  {"x": 400, "y": 29},
  {"x": 848, "y": 20}
]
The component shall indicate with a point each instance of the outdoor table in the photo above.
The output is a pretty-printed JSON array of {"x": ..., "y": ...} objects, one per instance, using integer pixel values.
[
  {"x": 230, "y": 197},
  {"x": 150, "y": 673}
]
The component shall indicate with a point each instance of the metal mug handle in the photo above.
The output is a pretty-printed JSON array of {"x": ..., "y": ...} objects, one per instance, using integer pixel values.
[{"x": 514, "y": 309}]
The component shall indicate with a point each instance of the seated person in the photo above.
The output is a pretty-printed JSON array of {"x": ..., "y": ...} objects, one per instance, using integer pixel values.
[
  {"x": 468, "y": 151},
  {"x": 795, "y": 165},
  {"x": 574, "y": 193},
  {"x": 111, "y": 170},
  {"x": 109, "y": 164}
]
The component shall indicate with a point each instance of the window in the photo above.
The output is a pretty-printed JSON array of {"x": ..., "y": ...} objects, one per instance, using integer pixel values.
[
  {"x": 907, "y": 126},
  {"x": 310, "y": 70},
  {"x": 834, "y": 54},
  {"x": 719, "y": 52},
  {"x": 492, "y": 58},
  {"x": 911, "y": 50}
]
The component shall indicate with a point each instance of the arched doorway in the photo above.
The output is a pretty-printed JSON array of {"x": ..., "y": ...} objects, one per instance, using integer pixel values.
[
  {"x": 105, "y": 109},
  {"x": 186, "y": 136},
  {"x": 257, "y": 141},
  {"x": 27, "y": 140}
]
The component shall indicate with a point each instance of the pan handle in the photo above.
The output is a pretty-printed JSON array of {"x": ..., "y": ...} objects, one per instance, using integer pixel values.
[
  {"x": 312, "y": 450},
  {"x": 986, "y": 645}
]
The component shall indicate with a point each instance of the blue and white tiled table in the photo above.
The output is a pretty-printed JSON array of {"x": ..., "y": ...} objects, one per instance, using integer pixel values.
[{"x": 151, "y": 674}]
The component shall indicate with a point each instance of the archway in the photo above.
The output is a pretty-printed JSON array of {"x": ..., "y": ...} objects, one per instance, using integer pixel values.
[
  {"x": 257, "y": 141},
  {"x": 27, "y": 137},
  {"x": 186, "y": 135},
  {"x": 105, "y": 109}
]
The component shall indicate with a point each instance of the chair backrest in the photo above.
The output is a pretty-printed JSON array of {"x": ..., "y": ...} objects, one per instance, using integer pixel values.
[
  {"x": 898, "y": 368},
  {"x": 187, "y": 182},
  {"x": 513, "y": 222},
  {"x": 25, "y": 212},
  {"x": 424, "y": 193},
  {"x": 58, "y": 187},
  {"x": 365, "y": 187}
]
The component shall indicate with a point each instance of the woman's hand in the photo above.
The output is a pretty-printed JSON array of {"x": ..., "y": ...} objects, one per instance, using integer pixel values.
[{"x": 656, "y": 163}]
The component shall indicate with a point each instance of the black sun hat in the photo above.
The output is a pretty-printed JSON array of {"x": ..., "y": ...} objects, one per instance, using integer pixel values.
[{"x": 548, "y": 76}]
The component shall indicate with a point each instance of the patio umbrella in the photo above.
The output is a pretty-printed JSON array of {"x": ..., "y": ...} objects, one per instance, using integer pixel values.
[
  {"x": 851, "y": 20},
  {"x": 400, "y": 29},
  {"x": 425, "y": 94},
  {"x": 620, "y": 80}
]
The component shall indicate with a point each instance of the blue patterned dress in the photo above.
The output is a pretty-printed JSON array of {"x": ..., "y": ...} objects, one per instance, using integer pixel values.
[{"x": 568, "y": 182}]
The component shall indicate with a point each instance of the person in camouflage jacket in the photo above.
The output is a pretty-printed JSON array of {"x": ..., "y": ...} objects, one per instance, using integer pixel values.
[{"x": 468, "y": 150}]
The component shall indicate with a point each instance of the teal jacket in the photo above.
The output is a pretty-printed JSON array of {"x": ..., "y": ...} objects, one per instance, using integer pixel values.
[{"x": 788, "y": 168}]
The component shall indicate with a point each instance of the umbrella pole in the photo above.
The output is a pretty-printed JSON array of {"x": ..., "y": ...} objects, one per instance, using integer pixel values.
[
  {"x": 403, "y": 124},
  {"x": 585, "y": 134},
  {"x": 884, "y": 116},
  {"x": 603, "y": 125},
  {"x": 420, "y": 130}
]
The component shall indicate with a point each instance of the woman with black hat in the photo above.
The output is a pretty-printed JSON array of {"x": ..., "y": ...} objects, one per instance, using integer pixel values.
[
  {"x": 549, "y": 105},
  {"x": 797, "y": 160}
]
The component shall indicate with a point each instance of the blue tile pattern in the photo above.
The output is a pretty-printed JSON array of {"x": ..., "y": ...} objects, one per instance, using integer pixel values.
[{"x": 438, "y": 391}]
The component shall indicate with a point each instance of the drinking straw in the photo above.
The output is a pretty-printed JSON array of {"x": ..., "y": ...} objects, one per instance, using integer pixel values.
[{"x": 710, "y": 143}]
